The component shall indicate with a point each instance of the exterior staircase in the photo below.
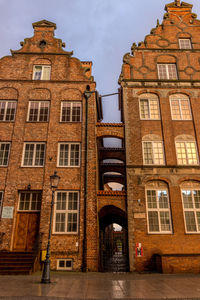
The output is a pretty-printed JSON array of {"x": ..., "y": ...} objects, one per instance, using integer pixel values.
[{"x": 16, "y": 263}]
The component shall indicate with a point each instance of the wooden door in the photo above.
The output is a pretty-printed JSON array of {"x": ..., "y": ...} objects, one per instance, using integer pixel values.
[{"x": 26, "y": 231}]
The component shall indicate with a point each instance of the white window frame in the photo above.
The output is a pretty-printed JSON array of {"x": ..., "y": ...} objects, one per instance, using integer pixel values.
[
  {"x": 158, "y": 210},
  {"x": 69, "y": 155},
  {"x": 180, "y": 98},
  {"x": 6, "y": 108},
  {"x": 66, "y": 211},
  {"x": 186, "y": 151},
  {"x": 34, "y": 155},
  {"x": 194, "y": 209},
  {"x": 30, "y": 203},
  {"x": 167, "y": 71},
  {"x": 153, "y": 152},
  {"x": 42, "y": 72},
  {"x": 39, "y": 108},
  {"x": 1, "y": 201},
  {"x": 149, "y": 98},
  {"x": 71, "y": 108},
  {"x": 183, "y": 47},
  {"x": 5, "y": 143},
  {"x": 65, "y": 268}
]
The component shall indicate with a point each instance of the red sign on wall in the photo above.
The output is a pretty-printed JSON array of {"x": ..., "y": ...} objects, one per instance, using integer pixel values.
[{"x": 138, "y": 250}]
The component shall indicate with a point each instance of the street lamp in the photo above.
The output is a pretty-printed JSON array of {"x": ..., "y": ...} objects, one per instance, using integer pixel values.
[{"x": 54, "y": 179}]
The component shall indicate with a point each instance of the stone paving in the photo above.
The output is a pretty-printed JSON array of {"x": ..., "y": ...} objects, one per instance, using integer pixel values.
[{"x": 101, "y": 286}]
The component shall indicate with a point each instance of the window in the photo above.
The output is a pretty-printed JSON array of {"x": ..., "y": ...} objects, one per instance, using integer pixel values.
[
  {"x": 70, "y": 111},
  {"x": 69, "y": 155},
  {"x": 191, "y": 207},
  {"x": 66, "y": 212},
  {"x": 180, "y": 107},
  {"x": 64, "y": 264},
  {"x": 34, "y": 154},
  {"x": 153, "y": 153},
  {"x": 38, "y": 111},
  {"x": 1, "y": 201},
  {"x": 185, "y": 44},
  {"x": 7, "y": 110},
  {"x": 4, "y": 153},
  {"x": 149, "y": 107},
  {"x": 186, "y": 153},
  {"x": 30, "y": 201},
  {"x": 167, "y": 71},
  {"x": 41, "y": 72},
  {"x": 158, "y": 211}
]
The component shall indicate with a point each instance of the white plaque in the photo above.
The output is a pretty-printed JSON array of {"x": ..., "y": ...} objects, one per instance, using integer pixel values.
[{"x": 7, "y": 212}]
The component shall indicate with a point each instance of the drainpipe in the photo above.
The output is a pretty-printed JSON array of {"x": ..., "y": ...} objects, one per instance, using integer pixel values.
[{"x": 87, "y": 95}]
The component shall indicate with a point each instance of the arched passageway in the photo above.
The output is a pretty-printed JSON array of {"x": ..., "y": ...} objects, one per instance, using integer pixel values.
[{"x": 113, "y": 239}]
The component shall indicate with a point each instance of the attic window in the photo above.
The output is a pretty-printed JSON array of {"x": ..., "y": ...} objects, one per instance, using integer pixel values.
[{"x": 42, "y": 44}]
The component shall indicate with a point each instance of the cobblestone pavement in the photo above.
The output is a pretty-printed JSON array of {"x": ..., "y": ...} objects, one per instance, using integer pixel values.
[{"x": 101, "y": 286}]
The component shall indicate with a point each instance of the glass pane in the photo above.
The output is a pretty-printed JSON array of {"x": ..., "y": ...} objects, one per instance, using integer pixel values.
[
  {"x": 64, "y": 152},
  {"x": 37, "y": 72},
  {"x": 148, "y": 153},
  {"x": 163, "y": 199},
  {"x": 73, "y": 201},
  {"x": 158, "y": 155},
  {"x": 61, "y": 201},
  {"x": 2, "y": 110},
  {"x": 153, "y": 221},
  {"x": 40, "y": 153},
  {"x": 187, "y": 199},
  {"x": 151, "y": 199},
  {"x": 44, "y": 111},
  {"x": 10, "y": 113},
  {"x": 191, "y": 153},
  {"x": 144, "y": 109},
  {"x": 165, "y": 221},
  {"x": 28, "y": 154},
  {"x": 74, "y": 155},
  {"x": 72, "y": 222},
  {"x": 76, "y": 112},
  {"x": 175, "y": 108},
  {"x": 190, "y": 221},
  {"x": 66, "y": 111},
  {"x": 196, "y": 195},
  {"x": 33, "y": 111},
  {"x": 154, "y": 109},
  {"x": 60, "y": 222}
]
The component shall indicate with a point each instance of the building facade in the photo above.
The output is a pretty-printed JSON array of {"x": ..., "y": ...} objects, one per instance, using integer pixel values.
[
  {"x": 51, "y": 120},
  {"x": 160, "y": 81}
]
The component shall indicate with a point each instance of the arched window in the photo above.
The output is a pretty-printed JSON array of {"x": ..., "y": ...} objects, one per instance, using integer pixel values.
[
  {"x": 149, "y": 107},
  {"x": 190, "y": 191},
  {"x": 158, "y": 208},
  {"x": 180, "y": 107},
  {"x": 153, "y": 151},
  {"x": 186, "y": 150}
]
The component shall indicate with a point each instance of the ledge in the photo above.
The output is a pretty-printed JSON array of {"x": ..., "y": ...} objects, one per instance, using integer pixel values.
[{"x": 111, "y": 193}]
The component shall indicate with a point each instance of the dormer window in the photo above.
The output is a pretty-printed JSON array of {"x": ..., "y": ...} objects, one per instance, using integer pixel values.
[
  {"x": 185, "y": 44},
  {"x": 41, "y": 72}
]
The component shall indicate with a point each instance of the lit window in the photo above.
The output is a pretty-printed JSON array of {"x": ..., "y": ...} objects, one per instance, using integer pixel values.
[
  {"x": 66, "y": 212},
  {"x": 186, "y": 153},
  {"x": 4, "y": 153},
  {"x": 159, "y": 219},
  {"x": 7, "y": 110},
  {"x": 34, "y": 154},
  {"x": 153, "y": 153},
  {"x": 69, "y": 155},
  {"x": 167, "y": 71},
  {"x": 191, "y": 207},
  {"x": 149, "y": 107},
  {"x": 30, "y": 201},
  {"x": 70, "y": 111},
  {"x": 41, "y": 72},
  {"x": 185, "y": 44},
  {"x": 38, "y": 111},
  {"x": 180, "y": 107}
]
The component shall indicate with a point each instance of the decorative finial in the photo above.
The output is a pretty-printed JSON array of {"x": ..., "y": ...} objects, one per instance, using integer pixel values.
[
  {"x": 178, "y": 2},
  {"x": 158, "y": 23}
]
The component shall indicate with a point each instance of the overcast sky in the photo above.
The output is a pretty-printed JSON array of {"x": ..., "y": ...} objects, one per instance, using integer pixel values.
[{"x": 101, "y": 31}]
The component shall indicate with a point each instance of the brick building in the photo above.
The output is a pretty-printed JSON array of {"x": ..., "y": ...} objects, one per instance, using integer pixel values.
[
  {"x": 161, "y": 108},
  {"x": 50, "y": 120}
]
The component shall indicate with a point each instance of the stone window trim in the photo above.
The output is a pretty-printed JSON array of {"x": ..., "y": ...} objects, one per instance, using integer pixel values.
[
  {"x": 186, "y": 152},
  {"x": 64, "y": 264},
  {"x": 149, "y": 107},
  {"x": 1, "y": 201},
  {"x": 4, "y": 153},
  {"x": 180, "y": 107},
  {"x": 41, "y": 72},
  {"x": 66, "y": 212},
  {"x": 160, "y": 209},
  {"x": 68, "y": 155},
  {"x": 153, "y": 150},
  {"x": 38, "y": 111},
  {"x": 30, "y": 201},
  {"x": 8, "y": 110},
  {"x": 191, "y": 208},
  {"x": 71, "y": 111},
  {"x": 167, "y": 71},
  {"x": 33, "y": 154},
  {"x": 185, "y": 43}
]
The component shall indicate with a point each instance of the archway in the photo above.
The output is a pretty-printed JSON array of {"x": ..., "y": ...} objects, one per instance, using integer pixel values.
[{"x": 113, "y": 239}]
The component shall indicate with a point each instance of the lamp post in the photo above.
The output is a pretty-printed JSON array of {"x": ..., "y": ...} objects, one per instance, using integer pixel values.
[{"x": 54, "y": 180}]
